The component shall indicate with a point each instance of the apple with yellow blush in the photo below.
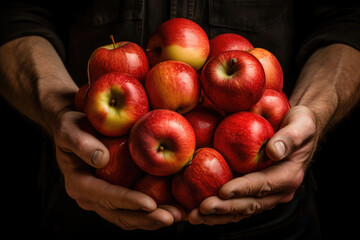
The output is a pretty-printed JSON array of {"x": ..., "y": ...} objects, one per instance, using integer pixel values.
[
  {"x": 114, "y": 102},
  {"x": 179, "y": 39}
]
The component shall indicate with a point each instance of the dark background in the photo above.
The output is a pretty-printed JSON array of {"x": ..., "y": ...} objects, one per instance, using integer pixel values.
[{"x": 335, "y": 166}]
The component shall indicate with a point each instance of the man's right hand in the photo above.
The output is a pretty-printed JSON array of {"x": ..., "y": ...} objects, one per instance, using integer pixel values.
[{"x": 76, "y": 151}]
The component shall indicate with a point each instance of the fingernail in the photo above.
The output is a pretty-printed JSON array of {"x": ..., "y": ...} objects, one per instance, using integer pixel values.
[
  {"x": 280, "y": 148},
  {"x": 96, "y": 157}
]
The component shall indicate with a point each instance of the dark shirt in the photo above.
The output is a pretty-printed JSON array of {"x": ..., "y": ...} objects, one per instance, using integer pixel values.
[{"x": 291, "y": 30}]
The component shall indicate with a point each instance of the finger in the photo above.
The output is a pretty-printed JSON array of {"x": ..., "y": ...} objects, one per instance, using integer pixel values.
[
  {"x": 242, "y": 206},
  {"x": 284, "y": 177},
  {"x": 81, "y": 185},
  {"x": 131, "y": 220},
  {"x": 252, "y": 184},
  {"x": 298, "y": 127},
  {"x": 70, "y": 137},
  {"x": 175, "y": 212},
  {"x": 196, "y": 217}
]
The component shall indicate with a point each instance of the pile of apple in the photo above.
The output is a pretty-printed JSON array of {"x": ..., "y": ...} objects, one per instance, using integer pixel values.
[{"x": 185, "y": 117}]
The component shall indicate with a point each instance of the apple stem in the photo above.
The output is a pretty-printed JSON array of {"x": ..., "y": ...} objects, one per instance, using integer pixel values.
[
  {"x": 113, "y": 102},
  {"x": 231, "y": 69},
  {"x": 113, "y": 40}
]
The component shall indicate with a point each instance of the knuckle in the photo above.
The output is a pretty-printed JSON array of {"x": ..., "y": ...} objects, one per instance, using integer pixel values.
[
  {"x": 309, "y": 124},
  {"x": 296, "y": 136},
  {"x": 231, "y": 210},
  {"x": 265, "y": 187},
  {"x": 309, "y": 128},
  {"x": 265, "y": 190},
  {"x": 80, "y": 143},
  {"x": 254, "y": 207},
  {"x": 125, "y": 225},
  {"x": 106, "y": 203},
  {"x": 301, "y": 135}
]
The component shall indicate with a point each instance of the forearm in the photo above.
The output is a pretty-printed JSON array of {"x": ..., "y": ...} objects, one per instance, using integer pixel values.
[
  {"x": 35, "y": 81},
  {"x": 329, "y": 84}
]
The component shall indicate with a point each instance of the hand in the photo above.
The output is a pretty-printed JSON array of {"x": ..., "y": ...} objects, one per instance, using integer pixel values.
[
  {"x": 294, "y": 144},
  {"x": 76, "y": 151}
]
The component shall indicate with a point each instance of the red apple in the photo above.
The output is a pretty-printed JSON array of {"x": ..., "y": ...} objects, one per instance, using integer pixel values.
[
  {"x": 79, "y": 100},
  {"x": 121, "y": 169},
  {"x": 228, "y": 42},
  {"x": 126, "y": 57},
  {"x": 157, "y": 187},
  {"x": 241, "y": 138},
  {"x": 233, "y": 80},
  {"x": 114, "y": 102},
  {"x": 162, "y": 142},
  {"x": 179, "y": 39},
  {"x": 204, "y": 122},
  {"x": 202, "y": 178},
  {"x": 272, "y": 68},
  {"x": 173, "y": 85},
  {"x": 273, "y": 106}
]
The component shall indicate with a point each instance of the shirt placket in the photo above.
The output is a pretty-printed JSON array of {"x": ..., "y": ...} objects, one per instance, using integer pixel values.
[{"x": 177, "y": 9}]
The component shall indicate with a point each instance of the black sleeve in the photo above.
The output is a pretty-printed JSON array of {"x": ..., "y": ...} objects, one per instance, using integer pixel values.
[
  {"x": 329, "y": 23},
  {"x": 19, "y": 19}
]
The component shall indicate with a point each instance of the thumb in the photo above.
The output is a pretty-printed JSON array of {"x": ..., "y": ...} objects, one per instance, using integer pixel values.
[
  {"x": 70, "y": 137},
  {"x": 298, "y": 128}
]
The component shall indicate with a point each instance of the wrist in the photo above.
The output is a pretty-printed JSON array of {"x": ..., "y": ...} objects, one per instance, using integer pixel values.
[
  {"x": 55, "y": 89},
  {"x": 316, "y": 87},
  {"x": 329, "y": 84},
  {"x": 35, "y": 81}
]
